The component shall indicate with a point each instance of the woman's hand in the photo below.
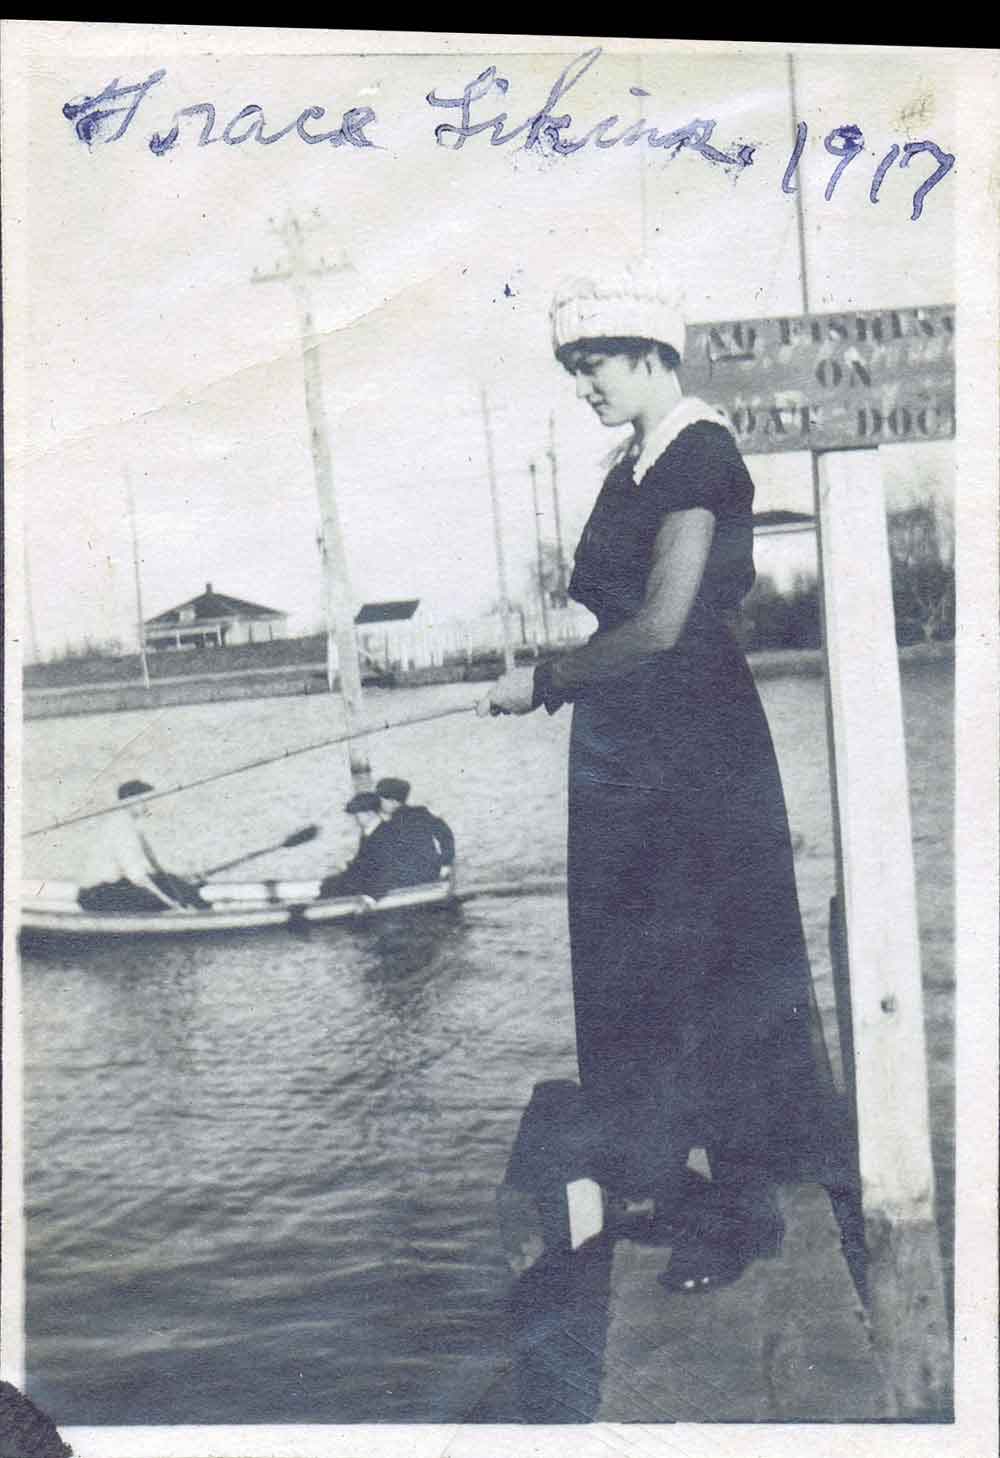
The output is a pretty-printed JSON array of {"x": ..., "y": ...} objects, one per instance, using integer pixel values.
[{"x": 512, "y": 694}]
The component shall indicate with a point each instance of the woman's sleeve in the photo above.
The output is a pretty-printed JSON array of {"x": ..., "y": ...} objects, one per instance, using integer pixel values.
[{"x": 701, "y": 468}]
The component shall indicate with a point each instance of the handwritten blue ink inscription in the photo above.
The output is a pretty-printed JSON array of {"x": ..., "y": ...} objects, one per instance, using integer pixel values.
[
  {"x": 544, "y": 130},
  {"x": 847, "y": 142},
  {"x": 107, "y": 116},
  {"x": 90, "y": 113}
]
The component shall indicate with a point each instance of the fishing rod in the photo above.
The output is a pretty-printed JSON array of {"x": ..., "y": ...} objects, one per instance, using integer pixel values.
[{"x": 240, "y": 769}]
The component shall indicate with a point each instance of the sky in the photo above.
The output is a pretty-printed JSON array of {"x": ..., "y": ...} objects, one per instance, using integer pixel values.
[{"x": 149, "y": 361}]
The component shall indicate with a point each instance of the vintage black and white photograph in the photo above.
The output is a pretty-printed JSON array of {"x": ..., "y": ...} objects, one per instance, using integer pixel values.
[{"x": 488, "y": 525}]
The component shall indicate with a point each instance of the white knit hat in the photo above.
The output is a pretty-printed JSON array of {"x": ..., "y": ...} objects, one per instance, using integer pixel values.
[{"x": 632, "y": 303}]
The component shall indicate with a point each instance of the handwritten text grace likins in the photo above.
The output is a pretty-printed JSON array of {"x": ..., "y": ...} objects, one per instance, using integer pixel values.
[{"x": 108, "y": 115}]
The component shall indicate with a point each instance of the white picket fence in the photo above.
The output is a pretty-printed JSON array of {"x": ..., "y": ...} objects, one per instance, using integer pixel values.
[{"x": 404, "y": 646}]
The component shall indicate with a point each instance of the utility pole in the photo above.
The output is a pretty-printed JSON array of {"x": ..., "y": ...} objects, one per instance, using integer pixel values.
[
  {"x": 338, "y": 599},
  {"x": 508, "y": 650},
  {"x": 541, "y": 558},
  {"x": 140, "y": 619},
  {"x": 560, "y": 593}
]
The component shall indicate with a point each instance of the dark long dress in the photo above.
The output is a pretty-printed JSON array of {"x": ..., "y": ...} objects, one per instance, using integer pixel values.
[{"x": 690, "y": 975}]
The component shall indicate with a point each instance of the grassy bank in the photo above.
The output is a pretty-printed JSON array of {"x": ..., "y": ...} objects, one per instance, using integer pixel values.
[{"x": 87, "y": 695}]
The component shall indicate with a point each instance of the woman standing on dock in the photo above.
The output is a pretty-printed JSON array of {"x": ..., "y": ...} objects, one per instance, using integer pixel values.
[{"x": 690, "y": 977}]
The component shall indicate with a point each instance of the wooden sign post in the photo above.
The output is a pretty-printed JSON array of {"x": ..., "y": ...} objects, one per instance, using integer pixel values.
[
  {"x": 883, "y": 949},
  {"x": 840, "y": 386}
]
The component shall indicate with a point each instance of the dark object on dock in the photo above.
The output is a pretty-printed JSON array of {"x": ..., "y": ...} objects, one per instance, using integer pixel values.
[
  {"x": 551, "y": 1214},
  {"x": 25, "y": 1431},
  {"x": 549, "y": 1201},
  {"x": 786, "y": 1341},
  {"x": 558, "y": 1315}
]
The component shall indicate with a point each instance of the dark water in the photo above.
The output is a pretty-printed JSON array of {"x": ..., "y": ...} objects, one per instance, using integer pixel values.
[{"x": 261, "y": 1172}]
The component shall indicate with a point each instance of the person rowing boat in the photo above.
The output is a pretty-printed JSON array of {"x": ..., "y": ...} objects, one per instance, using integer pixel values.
[{"x": 134, "y": 879}]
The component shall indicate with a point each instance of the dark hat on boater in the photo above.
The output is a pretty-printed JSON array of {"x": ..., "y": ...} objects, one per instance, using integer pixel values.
[
  {"x": 364, "y": 800},
  {"x": 133, "y": 787},
  {"x": 392, "y": 789}
]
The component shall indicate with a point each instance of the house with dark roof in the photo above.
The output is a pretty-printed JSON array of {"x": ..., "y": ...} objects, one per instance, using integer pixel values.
[
  {"x": 402, "y": 611},
  {"x": 213, "y": 619},
  {"x": 391, "y": 634}
]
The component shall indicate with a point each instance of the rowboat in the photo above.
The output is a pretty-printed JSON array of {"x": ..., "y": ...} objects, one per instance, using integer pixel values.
[{"x": 50, "y": 910}]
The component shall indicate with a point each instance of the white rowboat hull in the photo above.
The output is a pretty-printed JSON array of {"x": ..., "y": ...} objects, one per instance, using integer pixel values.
[{"x": 50, "y": 909}]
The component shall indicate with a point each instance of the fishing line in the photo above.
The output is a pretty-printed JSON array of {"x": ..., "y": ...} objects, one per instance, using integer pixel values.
[{"x": 361, "y": 732}]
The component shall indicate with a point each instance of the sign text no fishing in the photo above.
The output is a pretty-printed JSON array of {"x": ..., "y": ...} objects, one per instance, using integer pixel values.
[{"x": 828, "y": 381}]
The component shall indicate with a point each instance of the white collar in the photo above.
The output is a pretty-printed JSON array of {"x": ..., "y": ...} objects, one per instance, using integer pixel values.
[{"x": 689, "y": 410}]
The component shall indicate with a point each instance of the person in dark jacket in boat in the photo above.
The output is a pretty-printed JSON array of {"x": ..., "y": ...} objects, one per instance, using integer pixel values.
[
  {"x": 691, "y": 983},
  {"x": 428, "y": 840},
  {"x": 388, "y": 857},
  {"x": 371, "y": 872},
  {"x": 136, "y": 882}
]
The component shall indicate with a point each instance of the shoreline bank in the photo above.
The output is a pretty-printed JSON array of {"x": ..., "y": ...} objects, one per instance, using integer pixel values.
[{"x": 306, "y": 679}]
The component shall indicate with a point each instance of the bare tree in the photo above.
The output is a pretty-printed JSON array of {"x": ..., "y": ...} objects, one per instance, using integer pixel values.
[
  {"x": 547, "y": 577},
  {"x": 922, "y": 556}
]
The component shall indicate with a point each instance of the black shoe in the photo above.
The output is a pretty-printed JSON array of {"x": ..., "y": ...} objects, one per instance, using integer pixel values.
[
  {"x": 700, "y": 1262},
  {"x": 698, "y": 1266}
]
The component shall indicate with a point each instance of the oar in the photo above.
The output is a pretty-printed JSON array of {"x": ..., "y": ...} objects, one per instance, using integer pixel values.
[{"x": 298, "y": 837}]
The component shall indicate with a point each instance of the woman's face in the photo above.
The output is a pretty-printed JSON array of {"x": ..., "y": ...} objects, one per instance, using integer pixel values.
[{"x": 615, "y": 386}]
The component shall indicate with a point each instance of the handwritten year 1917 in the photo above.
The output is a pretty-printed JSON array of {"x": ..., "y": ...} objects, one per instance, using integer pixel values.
[{"x": 545, "y": 130}]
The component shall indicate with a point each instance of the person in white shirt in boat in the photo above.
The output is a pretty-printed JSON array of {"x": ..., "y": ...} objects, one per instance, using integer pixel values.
[
  {"x": 427, "y": 839},
  {"x": 135, "y": 881}
]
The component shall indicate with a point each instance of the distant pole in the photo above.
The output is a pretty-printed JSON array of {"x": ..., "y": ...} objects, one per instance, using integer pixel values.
[
  {"x": 838, "y": 937},
  {"x": 140, "y": 618},
  {"x": 560, "y": 558},
  {"x": 508, "y": 648},
  {"x": 29, "y": 611},
  {"x": 337, "y": 595},
  {"x": 540, "y": 555},
  {"x": 799, "y": 209}
]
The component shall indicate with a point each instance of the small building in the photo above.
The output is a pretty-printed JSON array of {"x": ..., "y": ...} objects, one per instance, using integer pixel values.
[
  {"x": 214, "y": 620},
  {"x": 389, "y": 634},
  {"x": 784, "y": 547}
]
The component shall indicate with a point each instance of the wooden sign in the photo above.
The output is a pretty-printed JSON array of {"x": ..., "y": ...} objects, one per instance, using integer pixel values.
[{"x": 828, "y": 381}]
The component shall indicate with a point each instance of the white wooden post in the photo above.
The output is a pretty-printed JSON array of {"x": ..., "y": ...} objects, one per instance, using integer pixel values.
[{"x": 872, "y": 796}]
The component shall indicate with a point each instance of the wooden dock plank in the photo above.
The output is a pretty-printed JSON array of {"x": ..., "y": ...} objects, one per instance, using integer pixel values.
[{"x": 787, "y": 1342}]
